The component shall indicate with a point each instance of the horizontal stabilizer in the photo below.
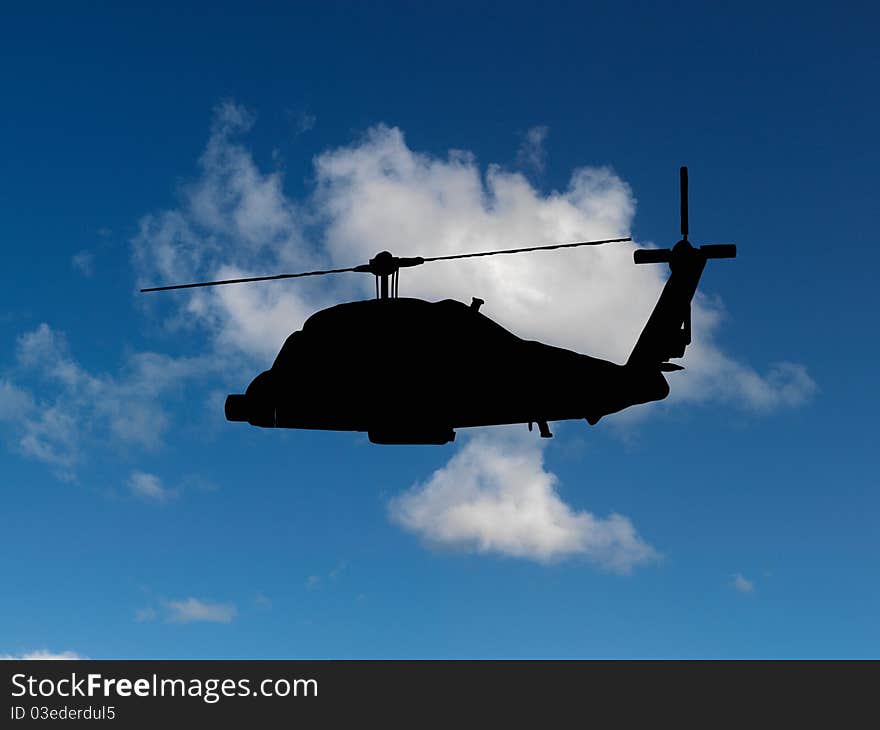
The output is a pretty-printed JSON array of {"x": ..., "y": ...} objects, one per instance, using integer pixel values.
[{"x": 664, "y": 255}]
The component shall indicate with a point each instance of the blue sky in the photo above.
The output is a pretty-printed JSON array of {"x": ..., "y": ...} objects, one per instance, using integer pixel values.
[{"x": 156, "y": 144}]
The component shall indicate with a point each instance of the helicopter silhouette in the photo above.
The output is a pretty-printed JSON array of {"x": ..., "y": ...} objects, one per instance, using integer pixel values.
[{"x": 409, "y": 371}]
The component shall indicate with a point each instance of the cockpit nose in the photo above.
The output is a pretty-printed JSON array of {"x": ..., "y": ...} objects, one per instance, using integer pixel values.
[
  {"x": 256, "y": 411},
  {"x": 236, "y": 407},
  {"x": 257, "y": 405}
]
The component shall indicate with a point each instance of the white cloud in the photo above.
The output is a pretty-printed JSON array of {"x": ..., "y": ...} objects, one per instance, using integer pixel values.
[
  {"x": 714, "y": 376},
  {"x": 379, "y": 194},
  {"x": 742, "y": 584},
  {"x": 149, "y": 487},
  {"x": 42, "y": 654},
  {"x": 531, "y": 152},
  {"x": 192, "y": 609},
  {"x": 233, "y": 221},
  {"x": 495, "y": 496},
  {"x": 145, "y": 615}
]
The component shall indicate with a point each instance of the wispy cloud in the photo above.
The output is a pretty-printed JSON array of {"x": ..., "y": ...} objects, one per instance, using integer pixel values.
[
  {"x": 315, "y": 581},
  {"x": 531, "y": 152},
  {"x": 742, "y": 584},
  {"x": 149, "y": 487},
  {"x": 42, "y": 654},
  {"x": 303, "y": 121},
  {"x": 145, "y": 615},
  {"x": 83, "y": 261},
  {"x": 15, "y": 402},
  {"x": 192, "y": 610},
  {"x": 59, "y": 407}
]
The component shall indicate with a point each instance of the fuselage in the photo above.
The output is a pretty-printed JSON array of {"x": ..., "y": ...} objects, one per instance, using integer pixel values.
[{"x": 411, "y": 371}]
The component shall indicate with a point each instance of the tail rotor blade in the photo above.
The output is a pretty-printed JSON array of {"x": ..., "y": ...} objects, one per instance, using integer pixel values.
[
  {"x": 652, "y": 255},
  {"x": 683, "y": 179},
  {"x": 719, "y": 250}
]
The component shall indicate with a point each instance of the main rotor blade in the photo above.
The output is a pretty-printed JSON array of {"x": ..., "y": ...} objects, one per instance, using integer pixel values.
[
  {"x": 524, "y": 250},
  {"x": 367, "y": 268},
  {"x": 251, "y": 278}
]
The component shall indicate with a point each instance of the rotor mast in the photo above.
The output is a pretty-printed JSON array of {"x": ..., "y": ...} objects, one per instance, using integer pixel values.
[{"x": 386, "y": 269}]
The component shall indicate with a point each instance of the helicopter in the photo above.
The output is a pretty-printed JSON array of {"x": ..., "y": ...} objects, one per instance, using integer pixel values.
[{"x": 409, "y": 371}]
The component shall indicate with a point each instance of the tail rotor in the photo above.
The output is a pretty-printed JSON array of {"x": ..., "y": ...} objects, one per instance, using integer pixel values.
[
  {"x": 668, "y": 255},
  {"x": 668, "y": 330},
  {"x": 683, "y": 186}
]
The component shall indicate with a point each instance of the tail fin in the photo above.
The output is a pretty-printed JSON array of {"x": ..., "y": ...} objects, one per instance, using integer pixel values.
[{"x": 668, "y": 330}]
